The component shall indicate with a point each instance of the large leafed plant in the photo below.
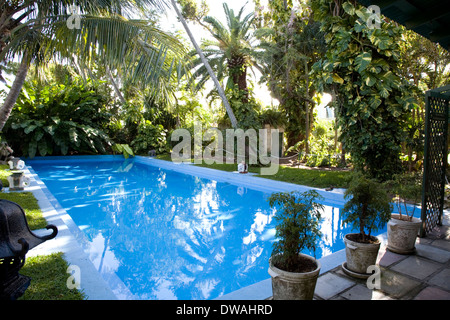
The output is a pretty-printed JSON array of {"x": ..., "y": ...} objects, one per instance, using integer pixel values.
[
  {"x": 361, "y": 68},
  {"x": 57, "y": 120}
]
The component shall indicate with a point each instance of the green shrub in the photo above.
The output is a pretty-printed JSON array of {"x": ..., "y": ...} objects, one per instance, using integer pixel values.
[
  {"x": 368, "y": 207},
  {"x": 57, "y": 120},
  {"x": 406, "y": 187},
  {"x": 297, "y": 228},
  {"x": 150, "y": 137}
]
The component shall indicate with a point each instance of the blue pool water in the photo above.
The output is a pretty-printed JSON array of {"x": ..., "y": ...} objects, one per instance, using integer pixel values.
[{"x": 166, "y": 234}]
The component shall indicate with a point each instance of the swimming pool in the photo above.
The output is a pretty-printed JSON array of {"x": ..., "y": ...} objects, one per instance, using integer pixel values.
[{"x": 167, "y": 231}]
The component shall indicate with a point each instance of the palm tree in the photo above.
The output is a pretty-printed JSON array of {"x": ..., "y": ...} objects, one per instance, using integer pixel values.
[
  {"x": 206, "y": 67},
  {"x": 233, "y": 47},
  {"x": 37, "y": 31},
  {"x": 292, "y": 42}
]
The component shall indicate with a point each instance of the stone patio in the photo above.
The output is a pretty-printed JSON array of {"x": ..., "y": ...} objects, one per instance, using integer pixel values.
[{"x": 422, "y": 276}]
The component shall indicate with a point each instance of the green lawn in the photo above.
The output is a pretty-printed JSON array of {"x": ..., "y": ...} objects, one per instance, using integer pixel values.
[
  {"x": 48, "y": 279},
  {"x": 317, "y": 178},
  {"x": 312, "y": 177},
  {"x": 3, "y": 174},
  {"x": 30, "y": 205}
]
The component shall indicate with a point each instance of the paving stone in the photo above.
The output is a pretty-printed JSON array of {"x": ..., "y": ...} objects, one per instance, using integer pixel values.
[
  {"x": 433, "y": 293},
  {"x": 387, "y": 258},
  {"x": 442, "y": 279},
  {"x": 424, "y": 240},
  {"x": 442, "y": 244},
  {"x": 446, "y": 220},
  {"x": 329, "y": 285},
  {"x": 439, "y": 232},
  {"x": 433, "y": 253},
  {"x": 397, "y": 285},
  {"x": 338, "y": 298},
  {"x": 416, "y": 267},
  {"x": 361, "y": 292}
]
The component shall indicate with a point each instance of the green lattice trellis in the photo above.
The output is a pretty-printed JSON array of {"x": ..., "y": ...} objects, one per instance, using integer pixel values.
[{"x": 435, "y": 158}]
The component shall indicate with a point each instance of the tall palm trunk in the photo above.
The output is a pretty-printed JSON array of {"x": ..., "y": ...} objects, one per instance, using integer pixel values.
[
  {"x": 240, "y": 79},
  {"x": 14, "y": 92},
  {"x": 242, "y": 85},
  {"x": 208, "y": 67},
  {"x": 115, "y": 87},
  {"x": 307, "y": 109}
]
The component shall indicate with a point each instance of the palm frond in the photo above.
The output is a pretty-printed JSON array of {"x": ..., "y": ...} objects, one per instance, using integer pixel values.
[
  {"x": 233, "y": 41},
  {"x": 132, "y": 46}
]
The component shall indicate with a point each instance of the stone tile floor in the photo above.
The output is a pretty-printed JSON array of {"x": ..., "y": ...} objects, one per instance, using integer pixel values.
[{"x": 424, "y": 275}]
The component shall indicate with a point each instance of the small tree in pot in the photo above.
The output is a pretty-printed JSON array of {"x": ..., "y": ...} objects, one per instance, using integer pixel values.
[
  {"x": 368, "y": 209},
  {"x": 403, "y": 228},
  {"x": 294, "y": 275}
]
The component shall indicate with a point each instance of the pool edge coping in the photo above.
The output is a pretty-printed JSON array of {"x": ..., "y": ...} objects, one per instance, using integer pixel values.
[{"x": 92, "y": 284}]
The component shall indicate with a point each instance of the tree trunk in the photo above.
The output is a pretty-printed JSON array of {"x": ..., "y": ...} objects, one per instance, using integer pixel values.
[
  {"x": 240, "y": 79},
  {"x": 114, "y": 84},
  {"x": 14, "y": 92},
  {"x": 307, "y": 121},
  {"x": 208, "y": 67},
  {"x": 308, "y": 113}
]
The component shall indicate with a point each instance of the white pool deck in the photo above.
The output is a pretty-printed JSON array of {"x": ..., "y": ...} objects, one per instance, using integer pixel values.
[{"x": 70, "y": 239}]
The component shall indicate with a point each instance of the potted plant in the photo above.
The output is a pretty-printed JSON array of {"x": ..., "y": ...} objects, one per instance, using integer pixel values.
[
  {"x": 294, "y": 274},
  {"x": 403, "y": 228},
  {"x": 368, "y": 209}
]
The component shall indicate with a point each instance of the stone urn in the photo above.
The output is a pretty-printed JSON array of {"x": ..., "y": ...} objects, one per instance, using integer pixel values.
[
  {"x": 18, "y": 181},
  {"x": 402, "y": 234},
  {"x": 360, "y": 256},
  {"x": 16, "y": 164},
  {"x": 294, "y": 285}
]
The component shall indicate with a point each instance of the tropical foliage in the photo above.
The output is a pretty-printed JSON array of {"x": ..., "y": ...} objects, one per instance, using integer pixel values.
[
  {"x": 40, "y": 31},
  {"x": 150, "y": 137},
  {"x": 230, "y": 54},
  {"x": 291, "y": 43},
  {"x": 122, "y": 84},
  {"x": 323, "y": 146},
  {"x": 58, "y": 120},
  {"x": 105, "y": 77},
  {"x": 425, "y": 65},
  {"x": 372, "y": 99},
  {"x": 205, "y": 62}
]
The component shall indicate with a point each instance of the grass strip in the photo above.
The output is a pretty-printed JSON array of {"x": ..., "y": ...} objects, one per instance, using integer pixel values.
[
  {"x": 316, "y": 178},
  {"x": 31, "y": 207},
  {"x": 49, "y": 279}
]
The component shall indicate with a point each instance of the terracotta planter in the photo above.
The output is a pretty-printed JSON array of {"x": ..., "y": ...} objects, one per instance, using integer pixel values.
[
  {"x": 402, "y": 234},
  {"x": 360, "y": 256},
  {"x": 293, "y": 285}
]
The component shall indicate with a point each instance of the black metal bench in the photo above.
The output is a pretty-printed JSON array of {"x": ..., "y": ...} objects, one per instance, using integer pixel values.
[{"x": 16, "y": 239}]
